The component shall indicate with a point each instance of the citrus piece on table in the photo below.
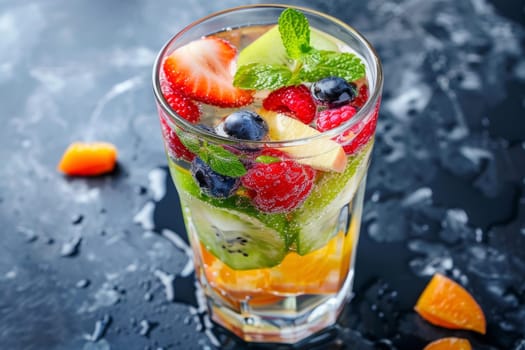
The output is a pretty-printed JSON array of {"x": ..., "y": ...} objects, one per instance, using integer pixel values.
[
  {"x": 446, "y": 304},
  {"x": 88, "y": 159},
  {"x": 450, "y": 343}
]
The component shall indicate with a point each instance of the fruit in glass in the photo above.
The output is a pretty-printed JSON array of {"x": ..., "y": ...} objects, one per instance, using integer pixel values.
[{"x": 268, "y": 115}]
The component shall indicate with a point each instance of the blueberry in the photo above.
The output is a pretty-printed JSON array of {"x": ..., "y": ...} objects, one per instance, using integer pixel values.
[
  {"x": 243, "y": 125},
  {"x": 333, "y": 91},
  {"x": 212, "y": 183}
]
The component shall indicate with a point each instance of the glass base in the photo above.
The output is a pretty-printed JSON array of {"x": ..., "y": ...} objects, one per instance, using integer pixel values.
[
  {"x": 290, "y": 302},
  {"x": 298, "y": 317}
]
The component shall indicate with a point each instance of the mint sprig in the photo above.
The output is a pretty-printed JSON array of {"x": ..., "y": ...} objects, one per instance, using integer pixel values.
[
  {"x": 295, "y": 33},
  {"x": 219, "y": 159},
  {"x": 262, "y": 76},
  {"x": 328, "y": 63},
  {"x": 307, "y": 64}
]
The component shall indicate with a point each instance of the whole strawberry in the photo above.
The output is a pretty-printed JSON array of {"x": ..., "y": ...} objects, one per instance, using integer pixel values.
[
  {"x": 184, "y": 107},
  {"x": 279, "y": 186}
]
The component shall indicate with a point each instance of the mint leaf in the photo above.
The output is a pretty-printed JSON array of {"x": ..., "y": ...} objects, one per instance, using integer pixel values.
[
  {"x": 262, "y": 76},
  {"x": 322, "y": 64},
  {"x": 224, "y": 162},
  {"x": 220, "y": 160},
  {"x": 191, "y": 142},
  {"x": 267, "y": 159},
  {"x": 295, "y": 33}
]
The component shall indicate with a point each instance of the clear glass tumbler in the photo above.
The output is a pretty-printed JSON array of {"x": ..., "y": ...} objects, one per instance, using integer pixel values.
[{"x": 284, "y": 273}]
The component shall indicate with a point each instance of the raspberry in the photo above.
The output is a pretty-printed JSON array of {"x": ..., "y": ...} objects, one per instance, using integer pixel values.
[
  {"x": 362, "y": 96},
  {"x": 362, "y": 137},
  {"x": 330, "y": 118},
  {"x": 359, "y": 134},
  {"x": 295, "y": 101},
  {"x": 280, "y": 186},
  {"x": 180, "y": 103}
]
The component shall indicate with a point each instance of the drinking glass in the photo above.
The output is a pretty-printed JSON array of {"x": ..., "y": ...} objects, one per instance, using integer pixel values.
[{"x": 274, "y": 277}]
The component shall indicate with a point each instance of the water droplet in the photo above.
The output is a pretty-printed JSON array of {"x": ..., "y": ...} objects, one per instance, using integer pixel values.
[
  {"x": 520, "y": 345},
  {"x": 148, "y": 296},
  {"x": 77, "y": 219},
  {"x": 29, "y": 235},
  {"x": 105, "y": 296},
  {"x": 419, "y": 196},
  {"x": 145, "y": 216},
  {"x": 71, "y": 247},
  {"x": 506, "y": 326},
  {"x": 100, "y": 328},
  {"x": 479, "y": 235},
  {"x": 146, "y": 327},
  {"x": 167, "y": 282},
  {"x": 157, "y": 183},
  {"x": 142, "y": 190},
  {"x": 102, "y": 344},
  {"x": 83, "y": 283}
]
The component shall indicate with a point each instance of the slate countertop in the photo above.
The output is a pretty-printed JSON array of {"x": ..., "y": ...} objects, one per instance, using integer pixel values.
[{"x": 99, "y": 263}]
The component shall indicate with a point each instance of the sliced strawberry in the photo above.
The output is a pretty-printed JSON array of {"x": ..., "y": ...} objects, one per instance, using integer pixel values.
[{"x": 203, "y": 70}]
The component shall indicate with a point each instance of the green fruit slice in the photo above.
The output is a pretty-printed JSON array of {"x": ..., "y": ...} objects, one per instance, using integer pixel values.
[
  {"x": 228, "y": 222},
  {"x": 317, "y": 220},
  {"x": 240, "y": 241},
  {"x": 269, "y": 49}
]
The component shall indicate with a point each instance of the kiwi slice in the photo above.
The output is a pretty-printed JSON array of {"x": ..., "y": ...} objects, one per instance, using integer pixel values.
[
  {"x": 269, "y": 49},
  {"x": 317, "y": 220},
  {"x": 231, "y": 228},
  {"x": 240, "y": 241}
]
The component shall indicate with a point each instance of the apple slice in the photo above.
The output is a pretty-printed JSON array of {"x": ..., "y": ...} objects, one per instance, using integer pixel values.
[{"x": 321, "y": 154}]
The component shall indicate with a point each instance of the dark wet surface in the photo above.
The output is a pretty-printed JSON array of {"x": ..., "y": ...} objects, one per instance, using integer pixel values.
[{"x": 103, "y": 263}]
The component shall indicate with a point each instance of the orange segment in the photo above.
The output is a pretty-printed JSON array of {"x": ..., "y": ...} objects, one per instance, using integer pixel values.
[
  {"x": 449, "y": 344},
  {"x": 320, "y": 272},
  {"x": 88, "y": 159},
  {"x": 446, "y": 304}
]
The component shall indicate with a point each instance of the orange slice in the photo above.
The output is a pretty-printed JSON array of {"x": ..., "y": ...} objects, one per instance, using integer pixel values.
[
  {"x": 319, "y": 272},
  {"x": 446, "y": 304},
  {"x": 88, "y": 159},
  {"x": 449, "y": 344}
]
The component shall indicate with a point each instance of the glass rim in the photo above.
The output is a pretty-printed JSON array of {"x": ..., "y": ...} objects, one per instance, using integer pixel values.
[{"x": 365, "y": 110}]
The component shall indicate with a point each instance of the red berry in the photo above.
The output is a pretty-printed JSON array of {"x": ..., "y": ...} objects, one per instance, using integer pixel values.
[
  {"x": 362, "y": 95},
  {"x": 184, "y": 107},
  {"x": 364, "y": 135},
  {"x": 359, "y": 133},
  {"x": 330, "y": 118},
  {"x": 180, "y": 103},
  {"x": 295, "y": 101},
  {"x": 175, "y": 147},
  {"x": 280, "y": 186},
  {"x": 203, "y": 70}
]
